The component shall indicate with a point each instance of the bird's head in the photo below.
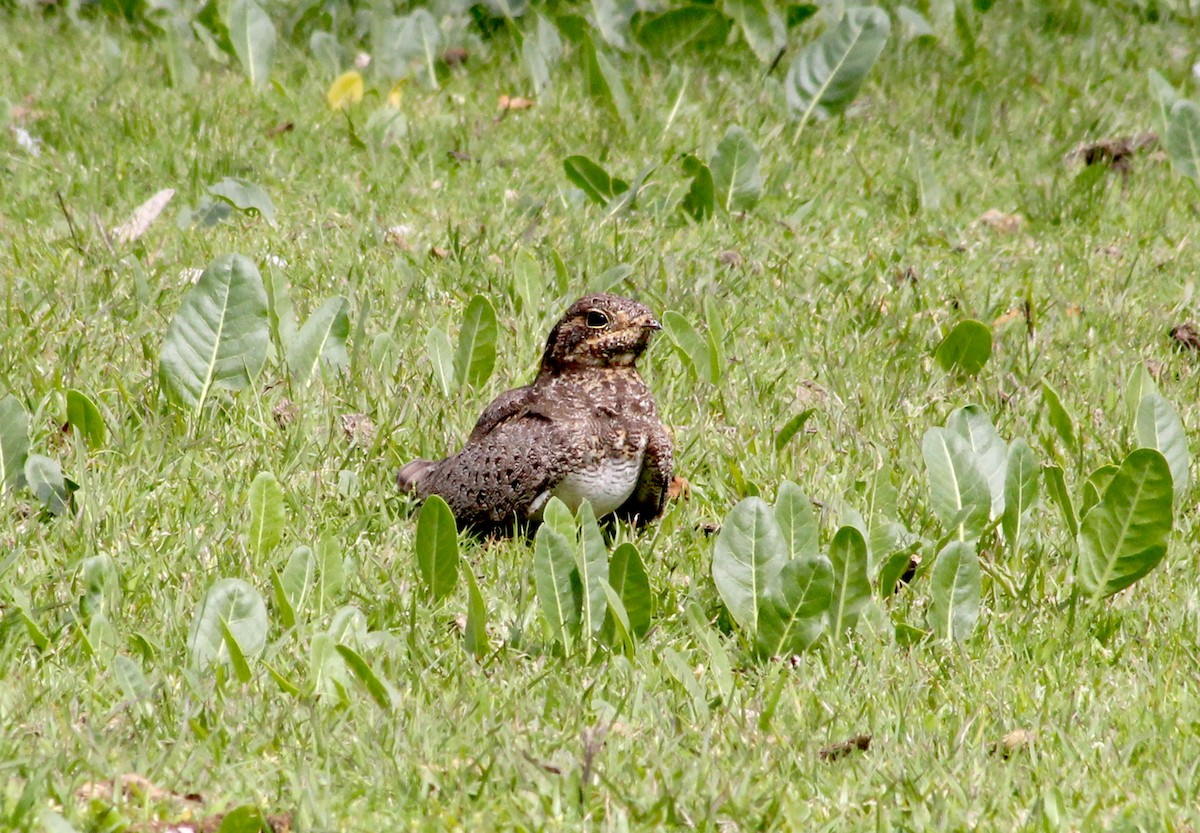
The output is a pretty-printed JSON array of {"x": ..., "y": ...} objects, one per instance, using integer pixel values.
[{"x": 600, "y": 331}]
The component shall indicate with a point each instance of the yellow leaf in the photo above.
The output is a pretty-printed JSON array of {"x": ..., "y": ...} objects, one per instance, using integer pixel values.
[
  {"x": 397, "y": 94},
  {"x": 346, "y": 90}
]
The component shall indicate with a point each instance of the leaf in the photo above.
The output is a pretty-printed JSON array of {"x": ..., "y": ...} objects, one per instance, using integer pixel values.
[
  {"x": 528, "y": 283},
  {"x": 541, "y": 51},
  {"x": 616, "y": 632},
  {"x": 965, "y": 349},
  {"x": 1183, "y": 138},
  {"x": 929, "y": 190},
  {"x": 476, "y": 354},
  {"x": 686, "y": 29},
  {"x": 1159, "y": 427},
  {"x": 700, "y": 200},
  {"x": 345, "y": 90},
  {"x": 792, "y": 615},
  {"x": 762, "y": 26},
  {"x": 1138, "y": 385},
  {"x": 45, "y": 478},
  {"x": 359, "y": 667},
  {"x": 440, "y": 352},
  {"x": 1124, "y": 537},
  {"x": 143, "y": 216},
  {"x": 266, "y": 514},
  {"x": 603, "y": 84},
  {"x": 324, "y": 336},
  {"x": 1165, "y": 96},
  {"x": 1094, "y": 486},
  {"x": 610, "y": 279},
  {"x": 244, "y": 819},
  {"x": 333, "y": 571},
  {"x": 280, "y": 314},
  {"x": 612, "y": 22},
  {"x": 558, "y": 517},
  {"x": 557, "y": 580},
  {"x": 234, "y": 604},
  {"x": 1056, "y": 487},
  {"x": 692, "y": 347},
  {"x": 792, "y": 427},
  {"x": 245, "y": 196},
  {"x": 592, "y": 563},
  {"x": 281, "y": 602},
  {"x": 475, "y": 638},
  {"x": 827, "y": 74},
  {"x": 736, "y": 178},
  {"x": 1020, "y": 491},
  {"x": 253, "y": 36},
  {"x": 1060, "y": 420},
  {"x": 851, "y": 589},
  {"x": 297, "y": 577},
  {"x": 593, "y": 180},
  {"x": 218, "y": 338},
  {"x": 237, "y": 659},
  {"x": 627, "y": 576},
  {"x": 797, "y": 522},
  {"x": 748, "y": 555},
  {"x": 436, "y": 548},
  {"x": 956, "y": 485},
  {"x": 991, "y": 453},
  {"x": 84, "y": 417},
  {"x": 14, "y": 443},
  {"x": 955, "y": 589}
]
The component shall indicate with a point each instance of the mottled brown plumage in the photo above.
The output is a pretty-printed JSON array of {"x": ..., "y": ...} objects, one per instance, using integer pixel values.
[{"x": 586, "y": 428}]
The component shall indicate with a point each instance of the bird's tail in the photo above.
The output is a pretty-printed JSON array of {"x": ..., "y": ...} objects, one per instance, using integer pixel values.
[{"x": 411, "y": 474}]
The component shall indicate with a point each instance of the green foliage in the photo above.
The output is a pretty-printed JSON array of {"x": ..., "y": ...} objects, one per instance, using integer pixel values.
[
  {"x": 475, "y": 355},
  {"x": 965, "y": 349},
  {"x": 958, "y": 488},
  {"x": 955, "y": 591},
  {"x": 748, "y": 555},
  {"x": 436, "y": 548},
  {"x": 266, "y": 515},
  {"x": 14, "y": 443},
  {"x": 218, "y": 337},
  {"x": 1183, "y": 138},
  {"x": 851, "y": 587},
  {"x": 323, "y": 337},
  {"x": 230, "y": 606},
  {"x": 253, "y": 37},
  {"x": 736, "y": 179},
  {"x": 84, "y": 417},
  {"x": 827, "y": 74}
]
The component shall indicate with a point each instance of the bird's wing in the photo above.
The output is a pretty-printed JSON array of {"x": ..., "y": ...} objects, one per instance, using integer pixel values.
[
  {"x": 497, "y": 477},
  {"x": 505, "y": 406},
  {"x": 650, "y": 495}
]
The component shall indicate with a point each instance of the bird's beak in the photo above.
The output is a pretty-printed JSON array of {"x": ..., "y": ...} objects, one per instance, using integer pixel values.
[{"x": 651, "y": 324}]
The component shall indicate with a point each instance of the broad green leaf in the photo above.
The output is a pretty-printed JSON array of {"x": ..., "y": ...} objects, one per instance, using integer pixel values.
[
  {"x": 737, "y": 181},
  {"x": 1056, "y": 487},
  {"x": 557, "y": 580},
  {"x": 851, "y": 591},
  {"x": 239, "y": 607},
  {"x": 131, "y": 679},
  {"x": 913, "y": 25},
  {"x": 700, "y": 200},
  {"x": 593, "y": 180},
  {"x": 237, "y": 659},
  {"x": 991, "y": 453},
  {"x": 218, "y": 338},
  {"x": 45, "y": 479},
  {"x": 253, "y": 36},
  {"x": 359, "y": 667},
  {"x": 1138, "y": 385},
  {"x": 436, "y": 548},
  {"x": 1020, "y": 492},
  {"x": 1094, "y": 488},
  {"x": 797, "y": 522},
  {"x": 475, "y": 356},
  {"x": 603, "y": 83},
  {"x": 266, "y": 514},
  {"x": 956, "y": 485},
  {"x": 323, "y": 336},
  {"x": 955, "y": 589},
  {"x": 617, "y": 630},
  {"x": 611, "y": 19},
  {"x": 748, "y": 555},
  {"x": 892, "y": 569},
  {"x": 475, "y": 638},
  {"x": 827, "y": 74},
  {"x": 245, "y": 196},
  {"x": 541, "y": 51},
  {"x": 627, "y": 576},
  {"x": 332, "y": 571},
  {"x": 280, "y": 313},
  {"x": 1159, "y": 427},
  {"x": 425, "y": 36},
  {"x": 245, "y": 819},
  {"x": 528, "y": 283},
  {"x": 1125, "y": 535},
  {"x": 965, "y": 349},
  {"x": 281, "y": 602},
  {"x": 692, "y": 347},
  {"x": 683, "y": 30},
  {"x": 441, "y": 357},
  {"x": 297, "y": 576},
  {"x": 558, "y": 517},
  {"x": 14, "y": 443},
  {"x": 761, "y": 25},
  {"x": 792, "y": 615},
  {"x": 52, "y": 822},
  {"x": 1183, "y": 138},
  {"x": 592, "y": 563},
  {"x": 1060, "y": 420},
  {"x": 610, "y": 279},
  {"x": 1165, "y": 96},
  {"x": 84, "y": 417},
  {"x": 792, "y": 427}
]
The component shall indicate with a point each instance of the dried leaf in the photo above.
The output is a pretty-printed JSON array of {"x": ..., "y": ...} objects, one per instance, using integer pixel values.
[
  {"x": 515, "y": 103},
  {"x": 143, "y": 216}
]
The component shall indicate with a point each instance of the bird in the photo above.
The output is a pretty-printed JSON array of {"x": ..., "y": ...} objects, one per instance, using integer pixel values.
[{"x": 586, "y": 428}]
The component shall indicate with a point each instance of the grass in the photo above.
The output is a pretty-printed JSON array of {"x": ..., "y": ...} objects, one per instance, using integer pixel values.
[{"x": 692, "y": 732}]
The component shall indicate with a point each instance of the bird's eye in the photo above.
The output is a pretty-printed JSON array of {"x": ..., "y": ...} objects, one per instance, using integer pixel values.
[{"x": 596, "y": 319}]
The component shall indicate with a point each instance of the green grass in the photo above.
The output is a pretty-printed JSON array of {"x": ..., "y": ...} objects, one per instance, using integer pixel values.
[{"x": 814, "y": 317}]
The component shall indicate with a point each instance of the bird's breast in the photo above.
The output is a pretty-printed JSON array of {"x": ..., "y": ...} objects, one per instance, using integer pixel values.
[{"x": 606, "y": 483}]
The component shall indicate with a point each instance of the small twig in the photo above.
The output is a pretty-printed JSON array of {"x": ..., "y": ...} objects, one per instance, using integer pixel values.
[{"x": 70, "y": 224}]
